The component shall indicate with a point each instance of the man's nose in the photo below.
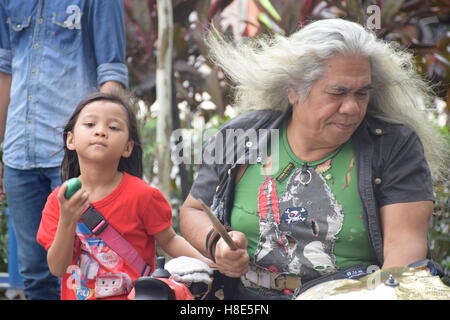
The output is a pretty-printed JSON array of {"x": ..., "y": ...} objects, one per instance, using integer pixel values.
[{"x": 349, "y": 106}]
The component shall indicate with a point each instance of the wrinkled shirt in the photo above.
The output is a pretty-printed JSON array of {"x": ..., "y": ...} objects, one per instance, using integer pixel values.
[
  {"x": 390, "y": 158},
  {"x": 57, "y": 51}
]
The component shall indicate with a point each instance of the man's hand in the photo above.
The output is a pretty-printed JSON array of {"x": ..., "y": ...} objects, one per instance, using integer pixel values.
[
  {"x": 111, "y": 87},
  {"x": 232, "y": 263}
]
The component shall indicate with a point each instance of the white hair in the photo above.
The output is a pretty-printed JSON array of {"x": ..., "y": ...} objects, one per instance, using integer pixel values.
[{"x": 264, "y": 68}]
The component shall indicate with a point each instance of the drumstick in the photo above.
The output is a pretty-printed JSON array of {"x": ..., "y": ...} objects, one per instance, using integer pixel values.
[{"x": 218, "y": 226}]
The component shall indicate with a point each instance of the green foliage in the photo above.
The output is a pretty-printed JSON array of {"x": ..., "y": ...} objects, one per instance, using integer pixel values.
[
  {"x": 440, "y": 225},
  {"x": 439, "y": 230},
  {"x": 3, "y": 238},
  {"x": 445, "y": 131},
  {"x": 148, "y": 135}
]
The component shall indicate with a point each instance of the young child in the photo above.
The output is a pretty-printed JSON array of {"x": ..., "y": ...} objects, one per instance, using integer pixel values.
[{"x": 103, "y": 149}]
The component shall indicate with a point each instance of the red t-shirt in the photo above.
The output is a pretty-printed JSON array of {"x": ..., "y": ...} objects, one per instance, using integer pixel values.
[{"x": 138, "y": 212}]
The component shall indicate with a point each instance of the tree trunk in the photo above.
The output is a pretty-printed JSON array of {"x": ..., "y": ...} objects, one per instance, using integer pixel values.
[{"x": 164, "y": 93}]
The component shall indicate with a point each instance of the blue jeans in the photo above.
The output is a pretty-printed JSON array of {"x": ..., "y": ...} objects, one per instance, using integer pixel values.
[{"x": 27, "y": 192}]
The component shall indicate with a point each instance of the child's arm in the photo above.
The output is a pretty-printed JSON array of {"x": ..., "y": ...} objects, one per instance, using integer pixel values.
[
  {"x": 59, "y": 255},
  {"x": 176, "y": 246}
]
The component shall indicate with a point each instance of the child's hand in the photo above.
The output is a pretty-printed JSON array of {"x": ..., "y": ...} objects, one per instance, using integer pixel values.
[{"x": 72, "y": 209}]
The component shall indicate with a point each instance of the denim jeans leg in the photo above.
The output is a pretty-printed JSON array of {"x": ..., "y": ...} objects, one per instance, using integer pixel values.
[{"x": 27, "y": 192}]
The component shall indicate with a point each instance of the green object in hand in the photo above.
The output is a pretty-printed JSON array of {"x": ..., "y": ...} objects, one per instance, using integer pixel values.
[{"x": 72, "y": 186}]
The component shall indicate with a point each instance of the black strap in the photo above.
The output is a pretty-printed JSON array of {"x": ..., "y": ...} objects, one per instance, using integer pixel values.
[{"x": 94, "y": 220}]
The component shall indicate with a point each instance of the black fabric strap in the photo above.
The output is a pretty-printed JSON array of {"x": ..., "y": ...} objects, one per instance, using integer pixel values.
[{"x": 94, "y": 220}]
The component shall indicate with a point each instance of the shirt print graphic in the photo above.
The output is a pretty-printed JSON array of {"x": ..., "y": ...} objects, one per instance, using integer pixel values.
[
  {"x": 74, "y": 19},
  {"x": 101, "y": 270},
  {"x": 298, "y": 231}
]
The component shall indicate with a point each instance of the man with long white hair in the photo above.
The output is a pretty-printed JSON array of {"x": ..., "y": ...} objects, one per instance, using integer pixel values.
[{"x": 351, "y": 186}]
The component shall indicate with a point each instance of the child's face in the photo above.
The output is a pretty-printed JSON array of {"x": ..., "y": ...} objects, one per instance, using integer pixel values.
[{"x": 101, "y": 133}]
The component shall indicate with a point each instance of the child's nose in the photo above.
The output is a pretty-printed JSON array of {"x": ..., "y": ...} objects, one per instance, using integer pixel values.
[{"x": 100, "y": 132}]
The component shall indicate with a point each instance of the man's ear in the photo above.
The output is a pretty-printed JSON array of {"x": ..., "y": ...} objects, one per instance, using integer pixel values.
[
  {"x": 70, "y": 141},
  {"x": 128, "y": 149},
  {"x": 292, "y": 96}
]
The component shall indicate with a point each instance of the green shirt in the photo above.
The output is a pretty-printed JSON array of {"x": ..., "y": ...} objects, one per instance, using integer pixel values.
[{"x": 303, "y": 229}]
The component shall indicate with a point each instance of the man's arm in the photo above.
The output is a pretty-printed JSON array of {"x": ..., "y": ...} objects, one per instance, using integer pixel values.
[
  {"x": 5, "y": 88},
  {"x": 195, "y": 225},
  {"x": 107, "y": 21},
  {"x": 405, "y": 229}
]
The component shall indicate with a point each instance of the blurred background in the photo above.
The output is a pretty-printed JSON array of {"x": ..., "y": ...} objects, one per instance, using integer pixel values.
[{"x": 166, "y": 55}]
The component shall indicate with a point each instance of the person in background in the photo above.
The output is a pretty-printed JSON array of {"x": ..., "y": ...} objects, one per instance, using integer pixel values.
[{"x": 52, "y": 54}]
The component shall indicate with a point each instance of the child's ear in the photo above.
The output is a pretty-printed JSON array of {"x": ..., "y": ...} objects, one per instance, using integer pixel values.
[
  {"x": 70, "y": 141},
  {"x": 128, "y": 149}
]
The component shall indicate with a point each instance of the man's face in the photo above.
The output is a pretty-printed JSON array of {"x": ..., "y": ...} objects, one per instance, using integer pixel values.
[{"x": 337, "y": 103}]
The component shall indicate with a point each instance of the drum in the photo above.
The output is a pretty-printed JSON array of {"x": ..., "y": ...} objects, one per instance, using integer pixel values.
[{"x": 386, "y": 284}]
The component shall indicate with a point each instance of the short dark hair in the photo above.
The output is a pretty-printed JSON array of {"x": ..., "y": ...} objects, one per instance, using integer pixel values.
[{"x": 133, "y": 164}]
